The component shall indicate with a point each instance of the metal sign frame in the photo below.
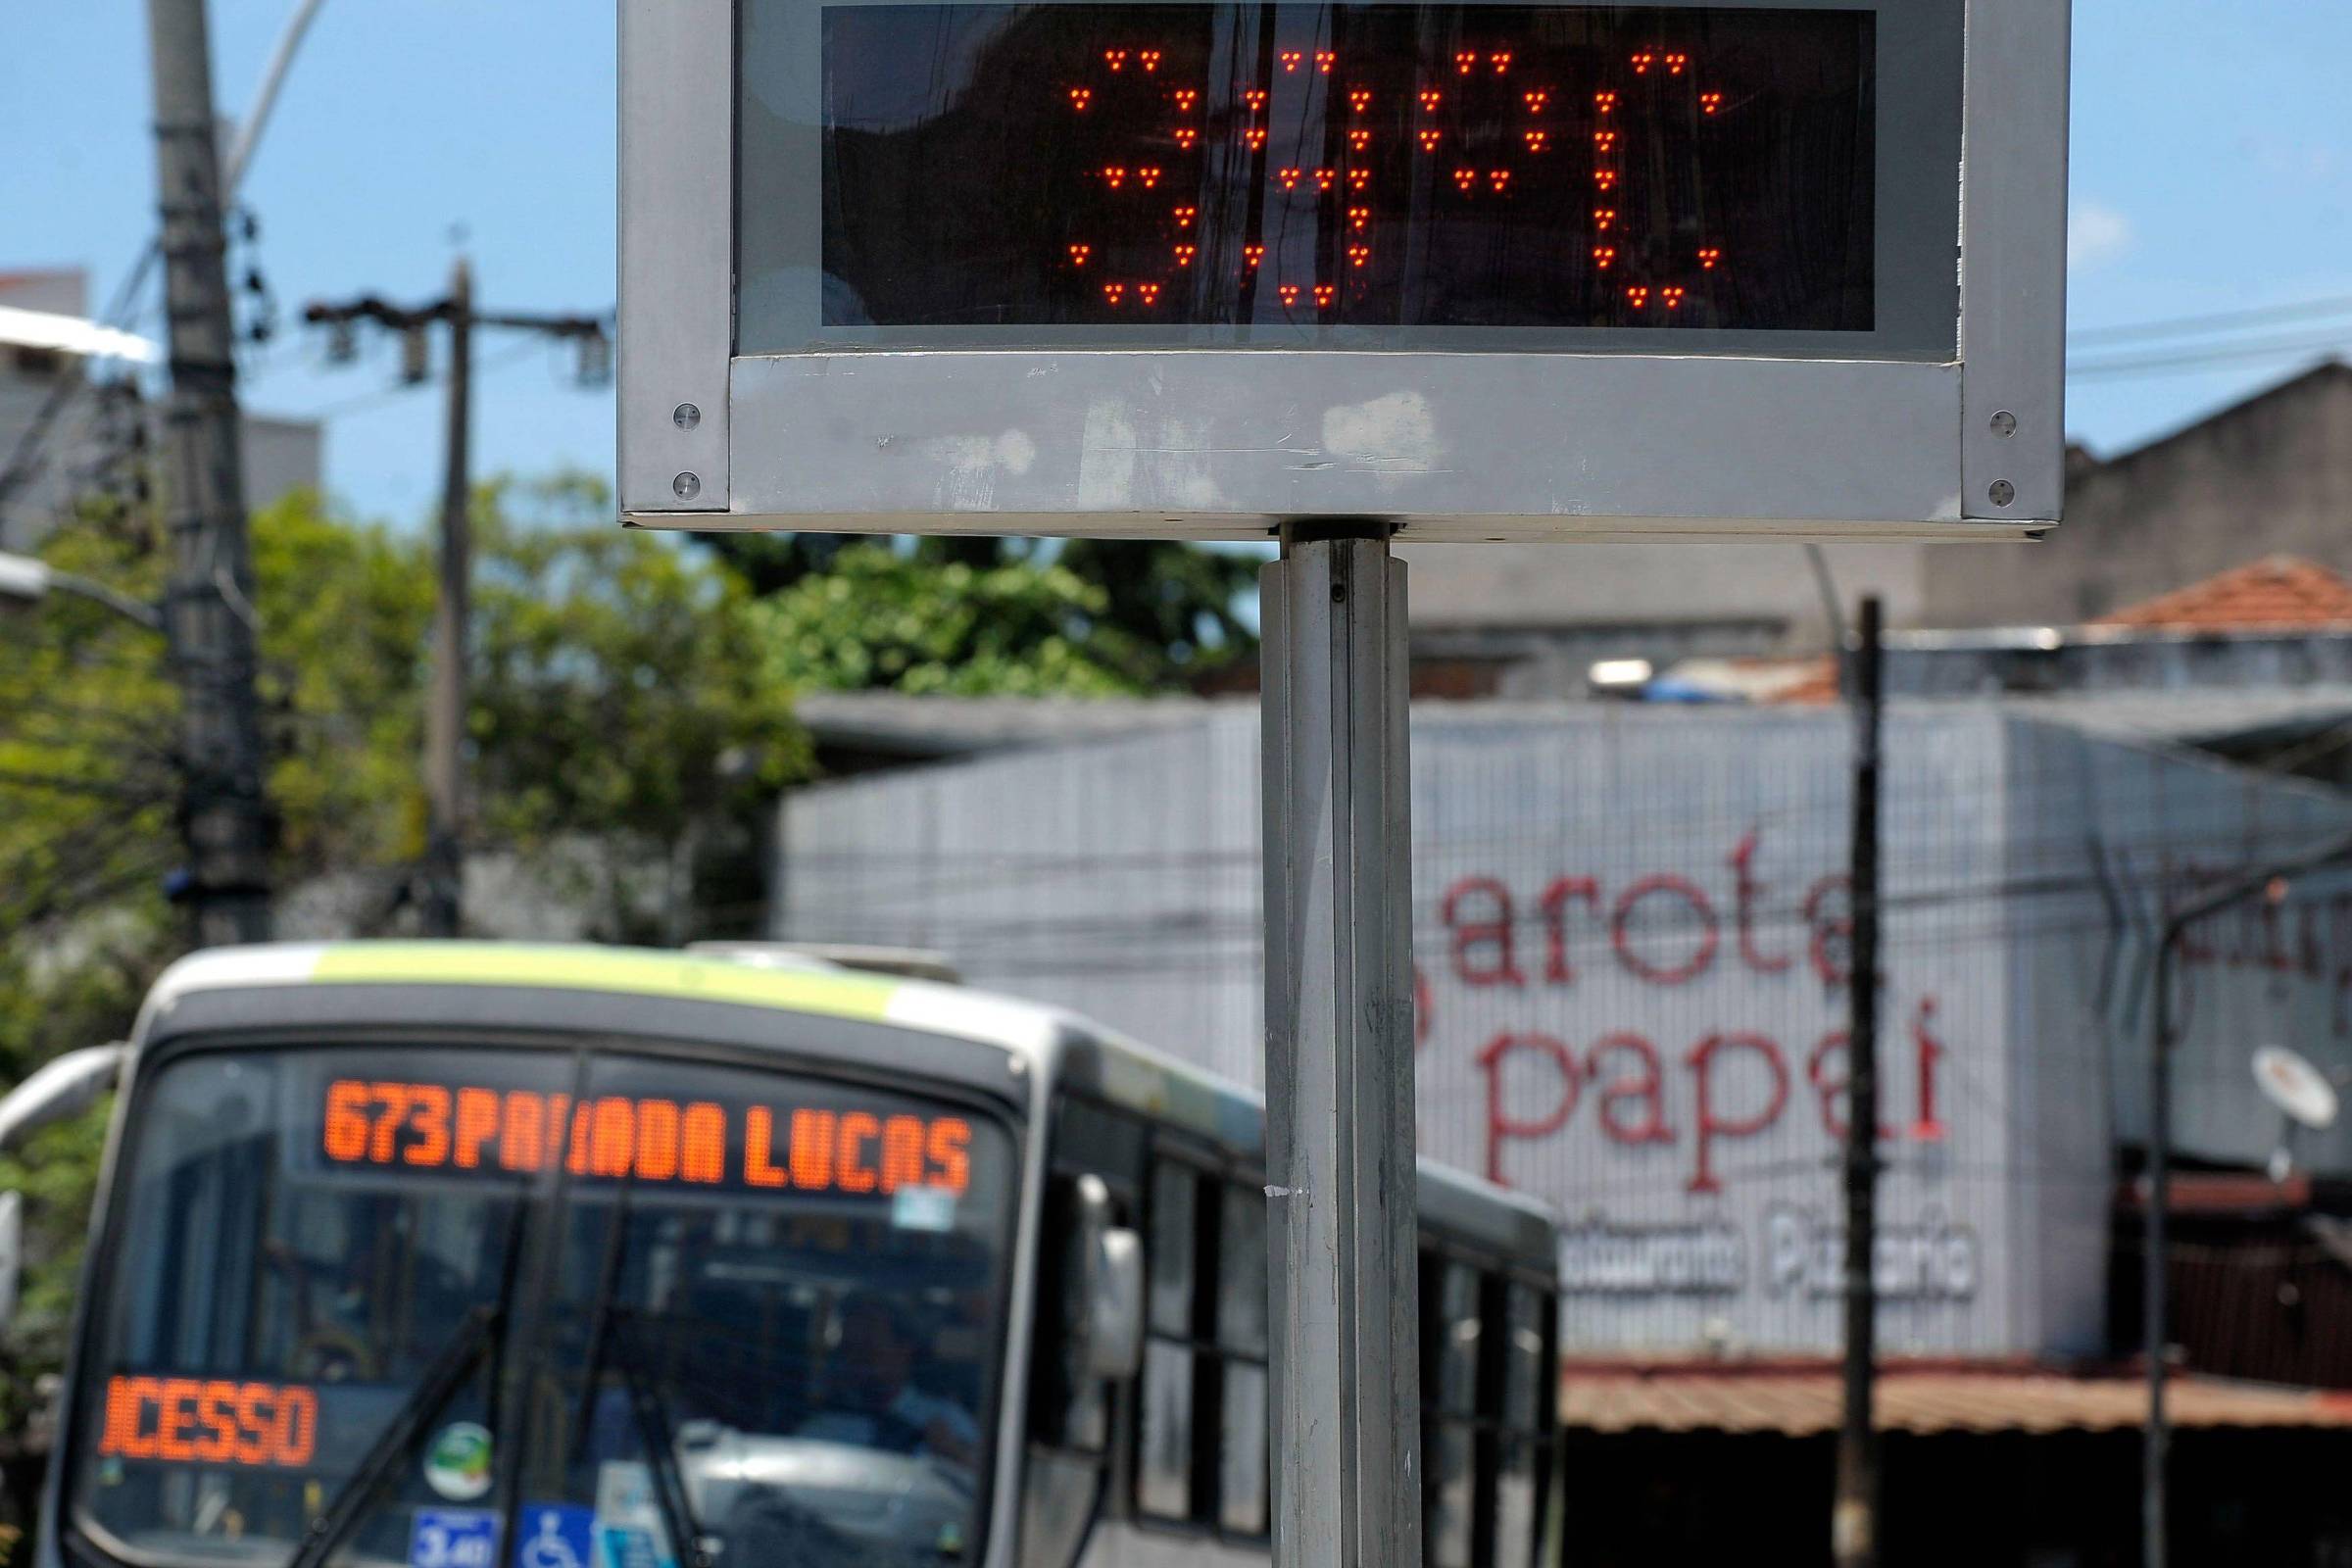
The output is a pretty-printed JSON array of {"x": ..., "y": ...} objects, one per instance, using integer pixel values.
[{"x": 1226, "y": 443}]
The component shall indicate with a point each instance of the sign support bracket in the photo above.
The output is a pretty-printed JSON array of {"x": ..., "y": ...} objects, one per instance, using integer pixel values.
[{"x": 1343, "y": 1273}]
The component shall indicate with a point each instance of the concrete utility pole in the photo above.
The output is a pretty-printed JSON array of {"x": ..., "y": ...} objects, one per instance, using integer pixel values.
[
  {"x": 207, "y": 608},
  {"x": 444, "y": 714},
  {"x": 1344, "y": 1283},
  {"x": 1855, "y": 1520}
]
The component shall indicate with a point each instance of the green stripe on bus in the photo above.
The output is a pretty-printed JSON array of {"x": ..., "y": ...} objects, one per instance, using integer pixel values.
[{"x": 618, "y": 970}]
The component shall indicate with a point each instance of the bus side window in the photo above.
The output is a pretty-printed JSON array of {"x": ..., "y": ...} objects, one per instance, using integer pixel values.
[
  {"x": 1202, "y": 1442},
  {"x": 1163, "y": 1483},
  {"x": 1243, "y": 1479},
  {"x": 1450, "y": 1340},
  {"x": 1069, "y": 1408}
]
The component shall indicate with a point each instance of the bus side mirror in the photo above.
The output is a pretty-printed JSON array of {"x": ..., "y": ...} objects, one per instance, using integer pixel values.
[
  {"x": 12, "y": 1254},
  {"x": 1111, "y": 1263}
]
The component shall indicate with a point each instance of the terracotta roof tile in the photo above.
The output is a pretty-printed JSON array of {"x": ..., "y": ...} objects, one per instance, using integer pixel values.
[
  {"x": 1801, "y": 1399},
  {"x": 2274, "y": 591}
]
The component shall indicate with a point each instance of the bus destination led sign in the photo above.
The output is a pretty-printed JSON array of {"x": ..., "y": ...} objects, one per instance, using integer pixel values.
[{"x": 443, "y": 1127}]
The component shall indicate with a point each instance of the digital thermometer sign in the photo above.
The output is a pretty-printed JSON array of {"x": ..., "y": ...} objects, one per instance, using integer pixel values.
[
  {"x": 1379, "y": 165},
  {"x": 1480, "y": 271}
]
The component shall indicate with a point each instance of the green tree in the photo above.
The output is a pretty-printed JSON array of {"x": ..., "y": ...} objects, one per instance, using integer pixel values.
[
  {"x": 1150, "y": 613},
  {"x": 622, "y": 719}
]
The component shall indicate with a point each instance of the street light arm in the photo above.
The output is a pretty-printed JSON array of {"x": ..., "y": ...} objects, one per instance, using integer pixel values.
[{"x": 121, "y": 603}]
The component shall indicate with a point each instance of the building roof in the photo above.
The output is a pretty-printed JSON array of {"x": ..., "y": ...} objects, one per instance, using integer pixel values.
[
  {"x": 1803, "y": 1398},
  {"x": 894, "y": 724},
  {"x": 2274, "y": 591}
]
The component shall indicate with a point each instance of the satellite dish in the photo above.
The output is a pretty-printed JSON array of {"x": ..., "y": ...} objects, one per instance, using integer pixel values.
[{"x": 2292, "y": 1083}]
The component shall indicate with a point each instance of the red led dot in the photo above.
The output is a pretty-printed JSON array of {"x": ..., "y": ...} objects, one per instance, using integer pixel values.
[
  {"x": 1325, "y": 293},
  {"x": 1115, "y": 59},
  {"x": 1186, "y": 135},
  {"x": 1358, "y": 254},
  {"x": 1185, "y": 216},
  {"x": 1149, "y": 292},
  {"x": 1149, "y": 60},
  {"x": 1499, "y": 178},
  {"x": 1536, "y": 99},
  {"x": 1464, "y": 179},
  {"x": 1291, "y": 59},
  {"x": 1324, "y": 177},
  {"x": 1358, "y": 217},
  {"x": 1500, "y": 62},
  {"x": 1079, "y": 254},
  {"x": 1673, "y": 296},
  {"x": 1603, "y": 140},
  {"x": 1185, "y": 98},
  {"x": 1709, "y": 102},
  {"x": 1359, "y": 138},
  {"x": 1466, "y": 62},
  {"x": 1536, "y": 140},
  {"x": 1114, "y": 176},
  {"x": 1254, "y": 97},
  {"x": 1080, "y": 97},
  {"x": 1643, "y": 62},
  {"x": 1603, "y": 218},
  {"x": 1150, "y": 176},
  {"x": 1605, "y": 179},
  {"x": 1639, "y": 295},
  {"x": 1430, "y": 99},
  {"x": 1289, "y": 177},
  {"x": 1114, "y": 292},
  {"x": 1289, "y": 293},
  {"x": 1256, "y": 138},
  {"x": 1252, "y": 255},
  {"x": 1605, "y": 102},
  {"x": 1325, "y": 59},
  {"x": 1675, "y": 63},
  {"x": 1359, "y": 179},
  {"x": 1708, "y": 258},
  {"x": 1360, "y": 99},
  {"x": 1604, "y": 256},
  {"x": 1185, "y": 255},
  {"x": 1428, "y": 142}
]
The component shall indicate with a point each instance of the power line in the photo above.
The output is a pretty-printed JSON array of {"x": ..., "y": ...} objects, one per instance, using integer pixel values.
[
  {"x": 2216, "y": 322},
  {"x": 2147, "y": 363}
]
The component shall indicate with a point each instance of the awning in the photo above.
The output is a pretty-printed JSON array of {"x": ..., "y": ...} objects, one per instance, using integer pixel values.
[{"x": 1803, "y": 1398}]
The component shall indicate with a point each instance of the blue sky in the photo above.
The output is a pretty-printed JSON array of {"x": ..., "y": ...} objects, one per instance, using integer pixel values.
[{"x": 2212, "y": 172}]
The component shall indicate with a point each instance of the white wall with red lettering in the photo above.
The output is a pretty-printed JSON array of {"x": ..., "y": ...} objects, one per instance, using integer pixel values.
[{"x": 1631, "y": 928}]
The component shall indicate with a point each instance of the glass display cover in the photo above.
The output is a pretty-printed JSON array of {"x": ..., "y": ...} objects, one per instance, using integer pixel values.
[{"x": 1190, "y": 166}]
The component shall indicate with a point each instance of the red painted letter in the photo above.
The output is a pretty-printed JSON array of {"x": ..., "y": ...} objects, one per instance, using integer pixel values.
[
  {"x": 1621, "y": 917},
  {"x": 1492, "y": 931},
  {"x": 1648, "y": 1088},
  {"x": 1556, "y": 967},
  {"x": 1709, "y": 1126},
  {"x": 1499, "y": 1124},
  {"x": 1744, "y": 878}
]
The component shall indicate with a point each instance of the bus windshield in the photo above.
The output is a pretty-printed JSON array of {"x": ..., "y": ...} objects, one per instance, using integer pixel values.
[{"x": 644, "y": 1311}]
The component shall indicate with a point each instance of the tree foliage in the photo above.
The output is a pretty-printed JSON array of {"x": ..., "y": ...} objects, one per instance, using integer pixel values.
[{"x": 993, "y": 617}]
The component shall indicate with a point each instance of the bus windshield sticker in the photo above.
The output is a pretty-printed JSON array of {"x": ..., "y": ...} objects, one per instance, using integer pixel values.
[{"x": 923, "y": 1208}]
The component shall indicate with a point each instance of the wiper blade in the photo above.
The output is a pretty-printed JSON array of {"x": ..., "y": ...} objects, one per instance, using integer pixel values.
[
  {"x": 448, "y": 1372},
  {"x": 661, "y": 1450}
]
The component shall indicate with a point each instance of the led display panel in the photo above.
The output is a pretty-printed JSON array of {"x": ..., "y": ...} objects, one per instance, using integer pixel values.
[{"x": 1333, "y": 166}]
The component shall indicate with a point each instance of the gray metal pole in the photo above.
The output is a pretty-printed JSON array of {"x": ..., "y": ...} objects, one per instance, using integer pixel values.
[
  {"x": 207, "y": 608},
  {"x": 1345, "y": 1282},
  {"x": 1854, "y": 1517},
  {"x": 445, "y": 720}
]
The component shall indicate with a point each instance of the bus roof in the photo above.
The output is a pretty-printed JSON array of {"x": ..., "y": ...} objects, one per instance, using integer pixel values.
[{"x": 1080, "y": 1053}]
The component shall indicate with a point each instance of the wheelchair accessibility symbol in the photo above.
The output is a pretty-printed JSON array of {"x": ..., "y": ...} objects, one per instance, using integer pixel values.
[{"x": 555, "y": 1536}]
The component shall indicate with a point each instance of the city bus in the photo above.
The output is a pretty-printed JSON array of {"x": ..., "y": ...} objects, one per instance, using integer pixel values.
[{"x": 640, "y": 1259}]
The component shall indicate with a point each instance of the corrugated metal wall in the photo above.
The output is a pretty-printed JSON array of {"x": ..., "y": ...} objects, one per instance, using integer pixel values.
[{"x": 1629, "y": 946}]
